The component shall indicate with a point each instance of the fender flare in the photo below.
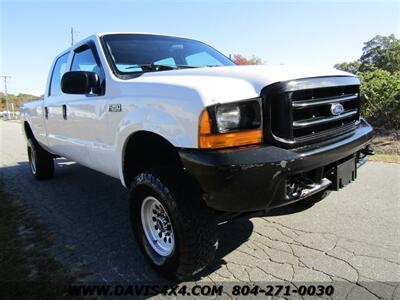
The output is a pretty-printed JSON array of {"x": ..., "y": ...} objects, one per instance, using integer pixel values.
[{"x": 158, "y": 122}]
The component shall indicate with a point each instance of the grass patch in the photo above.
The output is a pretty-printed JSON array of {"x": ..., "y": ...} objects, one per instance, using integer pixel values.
[
  {"x": 386, "y": 144},
  {"x": 385, "y": 158},
  {"x": 27, "y": 270}
]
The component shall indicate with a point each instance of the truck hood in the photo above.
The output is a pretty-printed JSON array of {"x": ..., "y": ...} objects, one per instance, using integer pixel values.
[{"x": 233, "y": 83}]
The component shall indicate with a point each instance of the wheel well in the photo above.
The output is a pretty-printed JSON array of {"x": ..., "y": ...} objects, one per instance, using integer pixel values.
[
  {"x": 145, "y": 150},
  {"x": 28, "y": 130}
]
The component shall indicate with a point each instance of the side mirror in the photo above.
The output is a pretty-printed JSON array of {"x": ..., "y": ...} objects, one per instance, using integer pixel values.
[{"x": 80, "y": 82}]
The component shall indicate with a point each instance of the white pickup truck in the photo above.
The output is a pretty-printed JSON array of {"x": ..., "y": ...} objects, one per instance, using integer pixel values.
[{"x": 196, "y": 139}]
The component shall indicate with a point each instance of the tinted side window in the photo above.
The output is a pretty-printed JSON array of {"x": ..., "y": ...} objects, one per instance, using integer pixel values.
[
  {"x": 59, "y": 69},
  {"x": 85, "y": 61}
]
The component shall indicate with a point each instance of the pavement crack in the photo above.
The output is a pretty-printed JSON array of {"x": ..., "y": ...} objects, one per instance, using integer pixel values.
[
  {"x": 269, "y": 274},
  {"x": 233, "y": 274}
]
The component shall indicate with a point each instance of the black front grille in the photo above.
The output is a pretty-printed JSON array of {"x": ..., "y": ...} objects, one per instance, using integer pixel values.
[{"x": 301, "y": 110}]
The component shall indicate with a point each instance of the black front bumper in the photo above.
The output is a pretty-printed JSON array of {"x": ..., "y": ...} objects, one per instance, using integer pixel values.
[{"x": 255, "y": 178}]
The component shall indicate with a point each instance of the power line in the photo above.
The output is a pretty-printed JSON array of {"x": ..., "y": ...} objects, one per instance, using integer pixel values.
[{"x": 5, "y": 77}]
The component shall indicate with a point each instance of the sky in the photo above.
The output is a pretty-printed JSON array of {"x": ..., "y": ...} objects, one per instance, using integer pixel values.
[{"x": 308, "y": 33}]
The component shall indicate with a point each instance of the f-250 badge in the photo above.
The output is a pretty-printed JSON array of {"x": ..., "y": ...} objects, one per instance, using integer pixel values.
[{"x": 114, "y": 107}]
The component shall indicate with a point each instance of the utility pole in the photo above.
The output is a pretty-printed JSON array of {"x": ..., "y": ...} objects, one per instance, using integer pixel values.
[
  {"x": 72, "y": 36},
  {"x": 5, "y": 92}
]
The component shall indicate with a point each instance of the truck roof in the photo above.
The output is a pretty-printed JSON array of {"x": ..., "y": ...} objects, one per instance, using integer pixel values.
[
  {"x": 100, "y": 34},
  {"x": 130, "y": 32}
]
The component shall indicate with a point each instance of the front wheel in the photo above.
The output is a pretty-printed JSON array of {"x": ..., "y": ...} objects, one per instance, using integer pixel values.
[
  {"x": 176, "y": 232},
  {"x": 40, "y": 161}
]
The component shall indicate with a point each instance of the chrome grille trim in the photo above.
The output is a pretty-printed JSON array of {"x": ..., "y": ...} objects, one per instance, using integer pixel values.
[
  {"x": 323, "y": 101},
  {"x": 322, "y": 120}
]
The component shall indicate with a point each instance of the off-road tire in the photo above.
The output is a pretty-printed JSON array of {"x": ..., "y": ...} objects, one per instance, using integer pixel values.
[
  {"x": 194, "y": 224},
  {"x": 41, "y": 162}
]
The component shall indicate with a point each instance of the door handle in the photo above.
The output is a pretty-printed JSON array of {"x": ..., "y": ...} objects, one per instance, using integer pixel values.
[
  {"x": 64, "y": 111},
  {"x": 46, "y": 112}
]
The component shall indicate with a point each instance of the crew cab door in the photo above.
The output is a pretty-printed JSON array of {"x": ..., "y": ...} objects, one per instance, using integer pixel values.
[
  {"x": 85, "y": 115},
  {"x": 52, "y": 108}
]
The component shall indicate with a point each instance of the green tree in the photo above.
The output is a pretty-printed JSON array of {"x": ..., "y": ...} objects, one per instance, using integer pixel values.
[
  {"x": 382, "y": 52},
  {"x": 351, "y": 67},
  {"x": 380, "y": 97},
  {"x": 379, "y": 71},
  {"x": 15, "y": 99}
]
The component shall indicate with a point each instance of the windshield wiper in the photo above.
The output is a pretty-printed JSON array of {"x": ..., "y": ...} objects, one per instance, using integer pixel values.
[{"x": 160, "y": 67}]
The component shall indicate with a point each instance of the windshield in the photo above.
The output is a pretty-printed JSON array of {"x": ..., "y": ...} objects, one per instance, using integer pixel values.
[{"x": 137, "y": 53}]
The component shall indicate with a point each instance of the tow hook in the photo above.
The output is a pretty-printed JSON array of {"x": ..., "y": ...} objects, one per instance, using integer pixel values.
[
  {"x": 301, "y": 187},
  {"x": 363, "y": 155},
  {"x": 368, "y": 151},
  {"x": 304, "y": 182}
]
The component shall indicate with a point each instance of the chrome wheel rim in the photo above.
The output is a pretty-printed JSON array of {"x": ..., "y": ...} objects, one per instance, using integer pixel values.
[
  {"x": 32, "y": 158},
  {"x": 157, "y": 226}
]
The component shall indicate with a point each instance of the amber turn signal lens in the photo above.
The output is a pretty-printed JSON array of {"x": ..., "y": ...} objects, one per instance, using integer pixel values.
[
  {"x": 205, "y": 123},
  {"x": 207, "y": 140},
  {"x": 223, "y": 140}
]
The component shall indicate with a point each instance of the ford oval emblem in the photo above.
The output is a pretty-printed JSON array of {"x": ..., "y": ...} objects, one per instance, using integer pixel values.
[{"x": 337, "y": 109}]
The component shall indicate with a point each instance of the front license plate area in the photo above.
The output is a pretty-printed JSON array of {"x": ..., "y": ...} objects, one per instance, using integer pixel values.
[{"x": 345, "y": 172}]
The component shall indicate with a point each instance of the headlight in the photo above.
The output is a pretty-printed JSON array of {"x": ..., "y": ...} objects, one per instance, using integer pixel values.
[
  {"x": 238, "y": 116},
  {"x": 232, "y": 124},
  {"x": 228, "y": 117}
]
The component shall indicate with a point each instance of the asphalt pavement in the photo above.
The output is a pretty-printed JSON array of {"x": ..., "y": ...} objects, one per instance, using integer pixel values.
[{"x": 351, "y": 236}]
